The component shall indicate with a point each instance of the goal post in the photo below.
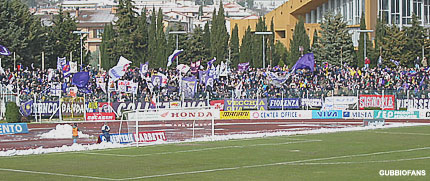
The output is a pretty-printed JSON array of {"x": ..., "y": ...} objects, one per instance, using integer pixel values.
[{"x": 173, "y": 124}]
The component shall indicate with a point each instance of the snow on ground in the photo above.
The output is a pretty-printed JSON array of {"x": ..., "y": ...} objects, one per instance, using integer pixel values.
[{"x": 60, "y": 130}]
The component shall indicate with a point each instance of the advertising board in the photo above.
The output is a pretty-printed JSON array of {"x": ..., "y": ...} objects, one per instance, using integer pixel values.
[
  {"x": 287, "y": 103},
  {"x": 357, "y": 114},
  {"x": 97, "y": 116},
  {"x": 384, "y": 114},
  {"x": 385, "y": 102},
  {"x": 287, "y": 114},
  {"x": 245, "y": 104},
  {"x": 13, "y": 128},
  {"x": 235, "y": 115},
  {"x": 413, "y": 104},
  {"x": 141, "y": 137},
  {"x": 330, "y": 114}
]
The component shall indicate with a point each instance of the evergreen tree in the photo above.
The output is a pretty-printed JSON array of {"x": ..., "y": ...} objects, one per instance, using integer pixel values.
[
  {"x": 152, "y": 41},
  {"x": 334, "y": 38},
  {"x": 234, "y": 46},
  {"x": 207, "y": 39},
  {"x": 106, "y": 47},
  {"x": 257, "y": 58},
  {"x": 271, "y": 44},
  {"x": 219, "y": 35},
  {"x": 280, "y": 54},
  {"x": 62, "y": 41},
  {"x": 415, "y": 41},
  {"x": 245, "y": 54},
  {"x": 380, "y": 33},
  {"x": 315, "y": 41},
  {"x": 360, "y": 52},
  {"x": 20, "y": 32},
  {"x": 141, "y": 39},
  {"x": 300, "y": 39},
  {"x": 161, "y": 54},
  {"x": 394, "y": 48},
  {"x": 194, "y": 47},
  {"x": 126, "y": 26}
]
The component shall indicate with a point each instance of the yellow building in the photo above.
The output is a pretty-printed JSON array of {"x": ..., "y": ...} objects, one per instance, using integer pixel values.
[{"x": 287, "y": 15}]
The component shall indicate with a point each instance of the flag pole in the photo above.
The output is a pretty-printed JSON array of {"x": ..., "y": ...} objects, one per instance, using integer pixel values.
[
  {"x": 43, "y": 61},
  {"x": 14, "y": 62}
]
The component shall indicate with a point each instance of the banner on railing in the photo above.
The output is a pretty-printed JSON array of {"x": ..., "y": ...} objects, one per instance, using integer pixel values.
[
  {"x": 396, "y": 114},
  {"x": 311, "y": 102},
  {"x": 295, "y": 114},
  {"x": 413, "y": 104},
  {"x": 245, "y": 104},
  {"x": 98, "y": 116},
  {"x": 385, "y": 102},
  {"x": 119, "y": 107},
  {"x": 339, "y": 102},
  {"x": 219, "y": 104},
  {"x": 287, "y": 103}
]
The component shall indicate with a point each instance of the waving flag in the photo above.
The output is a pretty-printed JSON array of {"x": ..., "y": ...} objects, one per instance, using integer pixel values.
[
  {"x": 144, "y": 68},
  {"x": 4, "y": 51},
  {"x": 211, "y": 62},
  {"x": 243, "y": 66},
  {"x": 183, "y": 68},
  {"x": 173, "y": 56},
  {"x": 26, "y": 108},
  {"x": 306, "y": 61},
  {"x": 397, "y": 63},
  {"x": 81, "y": 79},
  {"x": 66, "y": 69},
  {"x": 119, "y": 70},
  {"x": 61, "y": 62}
]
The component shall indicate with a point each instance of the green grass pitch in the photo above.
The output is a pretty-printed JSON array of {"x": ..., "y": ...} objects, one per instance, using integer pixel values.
[{"x": 357, "y": 155}]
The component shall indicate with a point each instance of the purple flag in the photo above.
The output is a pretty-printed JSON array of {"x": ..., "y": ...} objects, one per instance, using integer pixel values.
[
  {"x": 4, "y": 51},
  {"x": 211, "y": 62},
  {"x": 202, "y": 75},
  {"x": 306, "y": 61},
  {"x": 144, "y": 68},
  {"x": 156, "y": 80},
  {"x": 81, "y": 79},
  {"x": 209, "y": 81},
  {"x": 189, "y": 86},
  {"x": 26, "y": 108},
  {"x": 243, "y": 66}
]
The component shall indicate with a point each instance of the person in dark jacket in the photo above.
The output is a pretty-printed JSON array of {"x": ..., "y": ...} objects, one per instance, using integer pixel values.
[{"x": 105, "y": 131}]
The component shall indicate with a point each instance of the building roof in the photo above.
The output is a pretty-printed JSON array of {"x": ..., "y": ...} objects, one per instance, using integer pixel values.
[{"x": 98, "y": 16}]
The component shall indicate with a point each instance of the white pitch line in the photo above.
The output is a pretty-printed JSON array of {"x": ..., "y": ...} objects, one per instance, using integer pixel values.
[
  {"x": 56, "y": 174},
  {"x": 371, "y": 161},
  {"x": 202, "y": 149},
  {"x": 274, "y": 164},
  {"x": 422, "y": 134}
]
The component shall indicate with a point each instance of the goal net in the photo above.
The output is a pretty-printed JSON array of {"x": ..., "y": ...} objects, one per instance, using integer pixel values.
[{"x": 170, "y": 124}]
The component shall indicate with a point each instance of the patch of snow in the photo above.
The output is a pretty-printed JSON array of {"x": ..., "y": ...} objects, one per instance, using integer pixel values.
[
  {"x": 62, "y": 131},
  {"x": 107, "y": 145},
  {"x": 65, "y": 148}
]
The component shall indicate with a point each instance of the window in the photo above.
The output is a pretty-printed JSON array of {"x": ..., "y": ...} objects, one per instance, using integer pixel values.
[
  {"x": 98, "y": 33},
  {"x": 280, "y": 33}
]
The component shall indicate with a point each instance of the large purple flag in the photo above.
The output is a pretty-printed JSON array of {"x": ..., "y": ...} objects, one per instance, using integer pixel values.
[
  {"x": 306, "y": 61},
  {"x": 211, "y": 62},
  {"x": 4, "y": 51},
  {"x": 81, "y": 79},
  {"x": 189, "y": 86},
  {"x": 243, "y": 66}
]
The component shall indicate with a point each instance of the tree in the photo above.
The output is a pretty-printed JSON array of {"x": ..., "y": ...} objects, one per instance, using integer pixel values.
[
  {"x": 315, "y": 41},
  {"x": 234, "y": 46},
  {"x": 62, "y": 41},
  {"x": 141, "y": 39},
  {"x": 334, "y": 38},
  {"x": 106, "y": 47},
  {"x": 207, "y": 39},
  {"x": 280, "y": 54},
  {"x": 126, "y": 26},
  {"x": 152, "y": 41},
  {"x": 380, "y": 33},
  {"x": 161, "y": 54},
  {"x": 415, "y": 41},
  {"x": 245, "y": 54},
  {"x": 394, "y": 43},
  {"x": 20, "y": 32},
  {"x": 194, "y": 47},
  {"x": 219, "y": 35},
  {"x": 360, "y": 51},
  {"x": 257, "y": 46},
  {"x": 300, "y": 39}
]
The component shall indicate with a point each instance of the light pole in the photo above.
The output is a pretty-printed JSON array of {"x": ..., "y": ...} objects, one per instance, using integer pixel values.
[
  {"x": 365, "y": 32},
  {"x": 82, "y": 37},
  {"x": 177, "y": 43},
  {"x": 264, "y": 53}
]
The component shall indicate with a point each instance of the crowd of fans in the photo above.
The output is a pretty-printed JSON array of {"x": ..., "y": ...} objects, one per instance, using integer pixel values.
[{"x": 326, "y": 80}]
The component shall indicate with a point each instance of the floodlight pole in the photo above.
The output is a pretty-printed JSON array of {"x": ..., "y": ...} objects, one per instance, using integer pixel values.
[
  {"x": 264, "y": 53},
  {"x": 82, "y": 37}
]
